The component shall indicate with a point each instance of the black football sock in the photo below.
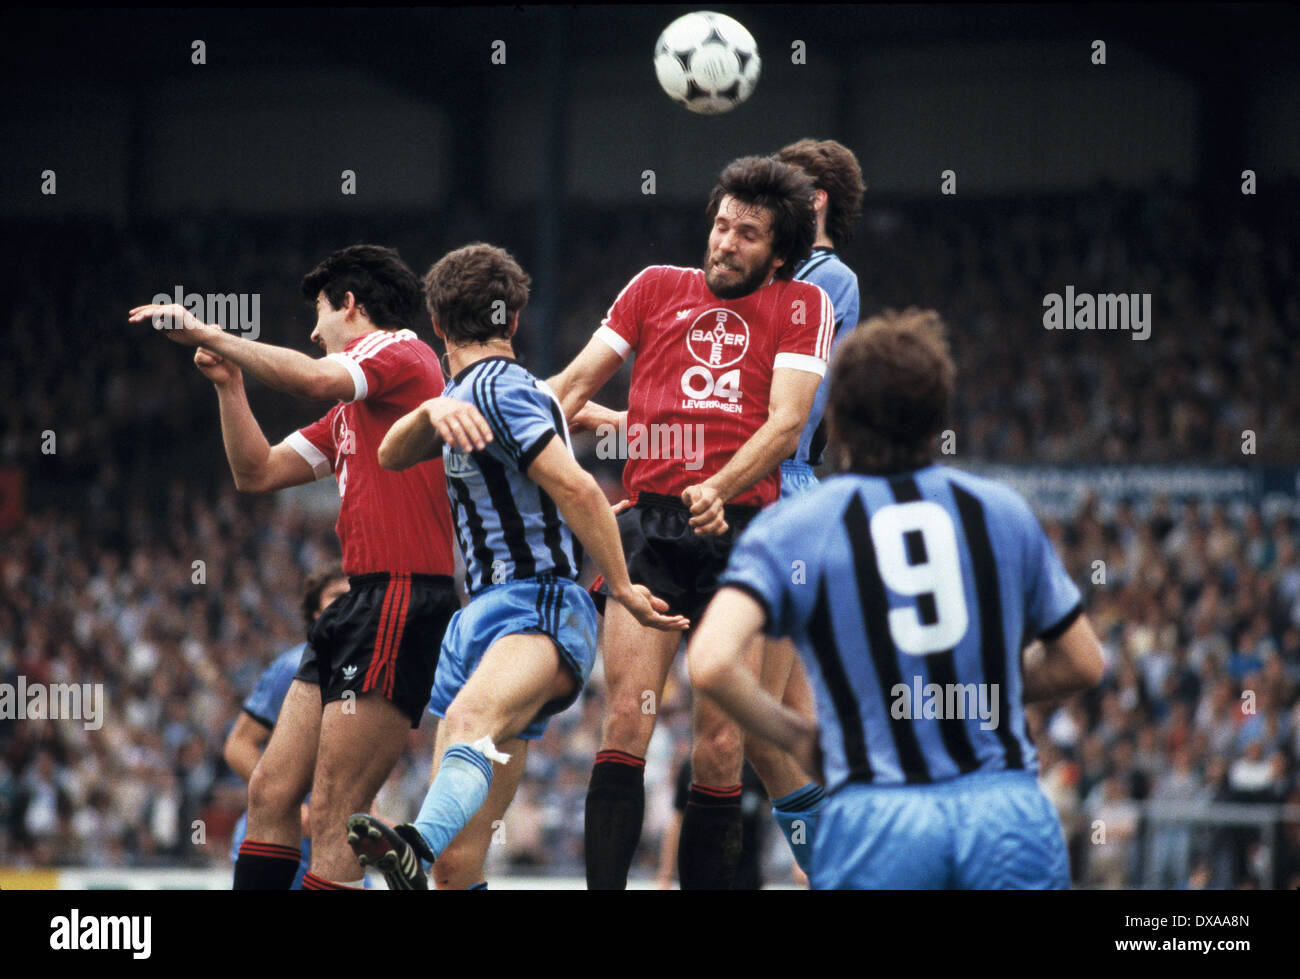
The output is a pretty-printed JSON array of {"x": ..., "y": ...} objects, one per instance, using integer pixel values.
[
  {"x": 709, "y": 851},
  {"x": 266, "y": 866},
  {"x": 615, "y": 810}
]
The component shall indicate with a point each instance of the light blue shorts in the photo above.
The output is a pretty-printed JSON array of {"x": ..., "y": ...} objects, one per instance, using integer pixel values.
[
  {"x": 796, "y": 478},
  {"x": 558, "y": 607},
  {"x": 994, "y": 831}
]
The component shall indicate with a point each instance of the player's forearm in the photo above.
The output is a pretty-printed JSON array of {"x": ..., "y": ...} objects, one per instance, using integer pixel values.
[
  {"x": 775, "y": 441},
  {"x": 592, "y": 417},
  {"x": 411, "y": 440},
  {"x": 247, "y": 449},
  {"x": 278, "y": 367},
  {"x": 585, "y": 509},
  {"x": 718, "y": 671}
]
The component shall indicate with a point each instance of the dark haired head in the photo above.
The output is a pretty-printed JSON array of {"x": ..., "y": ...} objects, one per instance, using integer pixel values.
[
  {"x": 834, "y": 169},
  {"x": 891, "y": 386},
  {"x": 785, "y": 192},
  {"x": 474, "y": 293},
  {"x": 384, "y": 286},
  {"x": 315, "y": 587}
]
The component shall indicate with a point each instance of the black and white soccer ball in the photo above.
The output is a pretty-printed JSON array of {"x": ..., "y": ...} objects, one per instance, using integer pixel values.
[{"x": 707, "y": 62}]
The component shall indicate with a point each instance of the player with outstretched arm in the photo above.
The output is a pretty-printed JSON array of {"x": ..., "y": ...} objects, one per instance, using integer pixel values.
[
  {"x": 366, "y": 673},
  {"x": 921, "y": 585}
]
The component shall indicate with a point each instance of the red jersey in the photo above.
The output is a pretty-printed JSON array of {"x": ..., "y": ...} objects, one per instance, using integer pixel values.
[
  {"x": 704, "y": 365},
  {"x": 388, "y": 521}
]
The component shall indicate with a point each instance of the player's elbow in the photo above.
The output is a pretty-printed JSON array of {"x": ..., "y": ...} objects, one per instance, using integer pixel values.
[
  {"x": 1092, "y": 666},
  {"x": 787, "y": 427},
  {"x": 251, "y": 482}
]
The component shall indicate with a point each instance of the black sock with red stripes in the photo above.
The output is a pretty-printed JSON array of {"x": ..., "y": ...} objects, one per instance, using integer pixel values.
[
  {"x": 709, "y": 850},
  {"x": 266, "y": 866},
  {"x": 615, "y": 810}
]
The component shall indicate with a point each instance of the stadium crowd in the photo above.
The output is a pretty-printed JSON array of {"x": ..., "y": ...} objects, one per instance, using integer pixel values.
[{"x": 1199, "y": 609}]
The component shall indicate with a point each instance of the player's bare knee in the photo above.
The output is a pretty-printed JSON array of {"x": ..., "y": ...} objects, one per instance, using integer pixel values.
[
  {"x": 718, "y": 756},
  {"x": 466, "y": 724},
  {"x": 627, "y": 726},
  {"x": 271, "y": 796}
]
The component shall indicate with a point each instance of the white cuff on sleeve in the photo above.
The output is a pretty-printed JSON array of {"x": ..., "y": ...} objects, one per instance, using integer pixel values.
[
  {"x": 616, "y": 342},
  {"x": 320, "y": 465},
  {"x": 361, "y": 388},
  {"x": 801, "y": 362}
]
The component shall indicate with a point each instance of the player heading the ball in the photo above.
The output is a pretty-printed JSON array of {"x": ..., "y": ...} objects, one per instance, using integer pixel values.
[{"x": 734, "y": 351}]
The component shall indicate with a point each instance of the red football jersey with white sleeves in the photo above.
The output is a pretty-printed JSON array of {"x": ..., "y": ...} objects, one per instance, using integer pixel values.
[
  {"x": 387, "y": 521},
  {"x": 703, "y": 371}
]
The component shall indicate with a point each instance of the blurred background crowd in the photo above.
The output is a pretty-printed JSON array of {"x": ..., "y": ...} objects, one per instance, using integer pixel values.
[{"x": 1198, "y": 606}]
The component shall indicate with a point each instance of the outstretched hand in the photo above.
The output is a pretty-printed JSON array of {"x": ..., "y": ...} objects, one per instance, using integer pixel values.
[
  {"x": 649, "y": 610},
  {"x": 174, "y": 321}
]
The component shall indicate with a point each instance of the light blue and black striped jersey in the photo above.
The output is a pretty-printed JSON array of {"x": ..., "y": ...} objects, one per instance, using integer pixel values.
[
  {"x": 507, "y": 526},
  {"x": 263, "y": 704},
  {"x": 910, "y": 598},
  {"x": 823, "y": 268}
]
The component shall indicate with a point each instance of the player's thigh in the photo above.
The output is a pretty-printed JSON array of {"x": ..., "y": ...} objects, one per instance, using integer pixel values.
[
  {"x": 518, "y": 676},
  {"x": 283, "y": 775},
  {"x": 360, "y": 741},
  {"x": 637, "y": 661},
  {"x": 461, "y": 865}
]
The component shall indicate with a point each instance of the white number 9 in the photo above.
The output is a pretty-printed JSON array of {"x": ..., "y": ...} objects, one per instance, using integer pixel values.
[{"x": 938, "y": 575}]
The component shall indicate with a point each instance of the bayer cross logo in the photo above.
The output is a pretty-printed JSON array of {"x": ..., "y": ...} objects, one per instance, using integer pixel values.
[{"x": 718, "y": 338}]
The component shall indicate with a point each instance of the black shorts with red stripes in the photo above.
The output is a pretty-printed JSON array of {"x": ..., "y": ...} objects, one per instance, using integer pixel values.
[
  {"x": 384, "y": 635},
  {"x": 665, "y": 554}
]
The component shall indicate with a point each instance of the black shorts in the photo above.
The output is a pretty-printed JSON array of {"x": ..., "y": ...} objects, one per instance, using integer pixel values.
[
  {"x": 383, "y": 635},
  {"x": 665, "y": 554}
]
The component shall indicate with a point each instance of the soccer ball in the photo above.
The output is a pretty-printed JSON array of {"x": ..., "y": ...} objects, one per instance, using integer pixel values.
[{"x": 707, "y": 62}]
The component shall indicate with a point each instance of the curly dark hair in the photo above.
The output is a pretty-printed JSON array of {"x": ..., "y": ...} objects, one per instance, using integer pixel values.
[
  {"x": 891, "y": 388},
  {"x": 384, "y": 286},
  {"x": 785, "y": 192},
  {"x": 835, "y": 170},
  {"x": 475, "y": 292}
]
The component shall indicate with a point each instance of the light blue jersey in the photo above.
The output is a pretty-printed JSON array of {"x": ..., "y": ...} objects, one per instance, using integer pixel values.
[
  {"x": 823, "y": 268},
  {"x": 910, "y": 598},
  {"x": 508, "y": 527},
  {"x": 891, "y": 586},
  {"x": 521, "y": 560}
]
